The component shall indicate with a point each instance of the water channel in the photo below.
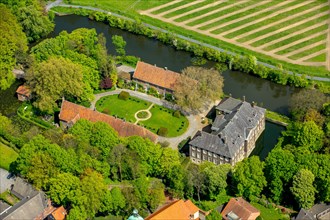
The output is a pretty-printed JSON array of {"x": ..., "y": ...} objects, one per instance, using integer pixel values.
[{"x": 267, "y": 94}]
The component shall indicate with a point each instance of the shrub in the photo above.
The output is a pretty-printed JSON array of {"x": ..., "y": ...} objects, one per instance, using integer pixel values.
[
  {"x": 164, "y": 144},
  {"x": 177, "y": 114},
  {"x": 106, "y": 83},
  {"x": 106, "y": 111},
  {"x": 162, "y": 131},
  {"x": 123, "y": 95}
]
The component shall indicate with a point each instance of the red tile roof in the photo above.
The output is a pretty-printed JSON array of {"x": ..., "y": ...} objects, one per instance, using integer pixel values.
[
  {"x": 23, "y": 90},
  {"x": 155, "y": 75},
  {"x": 71, "y": 112},
  {"x": 241, "y": 208},
  {"x": 59, "y": 213},
  {"x": 177, "y": 210}
]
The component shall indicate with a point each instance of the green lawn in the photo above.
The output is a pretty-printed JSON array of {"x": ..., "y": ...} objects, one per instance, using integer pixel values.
[
  {"x": 121, "y": 108},
  {"x": 7, "y": 156},
  {"x": 161, "y": 116},
  {"x": 269, "y": 213}
]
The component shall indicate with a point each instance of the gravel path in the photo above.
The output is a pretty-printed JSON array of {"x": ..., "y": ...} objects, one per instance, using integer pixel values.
[
  {"x": 274, "y": 41},
  {"x": 250, "y": 15},
  {"x": 180, "y": 7},
  {"x": 306, "y": 48},
  {"x": 305, "y": 58},
  {"x": 197, "y": 9},
  {"x": 229, "y": 14},
  {"x": 284, "y": 20},
  {"x": 298, "y": 41},
  {"x": 162, "y": 6},
  {"x": 271, "y": 15},
  {"x": 213, "y": 12}
]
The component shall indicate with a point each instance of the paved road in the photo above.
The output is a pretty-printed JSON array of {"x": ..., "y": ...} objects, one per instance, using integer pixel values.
[
  {"x": 4, "y": 182},
  {"x": 194, "y": 120},
  {"x": 59, "y": 3}
]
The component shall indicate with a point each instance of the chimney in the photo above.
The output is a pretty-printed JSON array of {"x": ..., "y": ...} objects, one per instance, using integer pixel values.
[
  {"x": 165, "y": 68},
  {"x": 243, "y": 98},
  {"x": 253, "y": 104},
  {"x": 155, "y": 65},
  {"x": 229, "y": 94}
]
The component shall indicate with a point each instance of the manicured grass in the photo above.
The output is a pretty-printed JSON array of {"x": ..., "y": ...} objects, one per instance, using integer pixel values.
[
  {"x": 187, "y": 9},
  {"x": 297, "y": 37},
  {"x": 202, "y": 12},
  {"x": 277, "y": 117},
  {"x": 164, "y": 9},
  {"x": 309, "y": 51},
  {"x": 269, "y": 213},
  {"x": 124, "y": 109},
  {"x": 319, "y": 58},
  {"x": 302, "y": 44},
  {"x": 161, "y": 116},
  {"x": 7, "y": 156},
  {"x": 247, "y": 20},
  {"x": 221, "y": 13},
  {"x": 273, "y": 19},
  {"x": 123, "y": 6}
]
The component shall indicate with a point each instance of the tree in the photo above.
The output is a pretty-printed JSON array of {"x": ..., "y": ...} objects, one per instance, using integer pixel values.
[
  {"x": 118, "y": 201},
  {"x": 12, "y": 42},
  {"x": 280, "y": 166},
  {"x": 93, "y": 188},
  {"x": 53, "y": 79},
  {"x": 249, "y": 178},
  {"x": 216, "y": 178},
  {"x": 63, "y": 188},
  {"x": 306, "y": 134},
  {"x": 120, "y": 44},
  {"x": 303, "y": 189},
  {"x": 204, "y": 84},
  {"x": 174, "y": 180},
  {"x": 42, "y": 170},
  {"x": 196, "y": 179},
  {"x": 306, "y": 99},
  {"x": 34, "y": 23}
]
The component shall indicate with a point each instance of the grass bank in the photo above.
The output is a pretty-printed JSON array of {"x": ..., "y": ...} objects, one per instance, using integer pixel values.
[
  {"x": 277, "y": 118},
  {"x": 7, "y": 156}
]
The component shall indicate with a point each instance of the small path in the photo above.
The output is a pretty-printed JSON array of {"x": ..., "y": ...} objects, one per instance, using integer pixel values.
[
  {"x": 271, "y": 15},
  {"x": 198, "y": 9},
  {"x": 274, "y": 41},
  {"x": 250, "y": 15},
  {"x": 231, "y": 14},
  {"x": 305, "y": 48},
  {"x": 284, "y": 19},
  {"x": 162, "y": 6},
  {"x": 213, "y": 12},
  {"x": 143, "y": 110},
  {"x": 180, "y": 7},
  {"x": 305, "y": 58},
  {"x": 298, "y": 41}
]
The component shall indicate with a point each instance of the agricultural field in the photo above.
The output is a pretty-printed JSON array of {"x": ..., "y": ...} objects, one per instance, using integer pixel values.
[{"x": 294, "y": 31}]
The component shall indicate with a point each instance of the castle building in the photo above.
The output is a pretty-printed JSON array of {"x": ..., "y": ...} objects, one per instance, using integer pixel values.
[{"x": 234, "y": 132}]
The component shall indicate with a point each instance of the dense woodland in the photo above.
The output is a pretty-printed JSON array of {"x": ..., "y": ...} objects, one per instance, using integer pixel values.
[{"x": 92, "y": 171}]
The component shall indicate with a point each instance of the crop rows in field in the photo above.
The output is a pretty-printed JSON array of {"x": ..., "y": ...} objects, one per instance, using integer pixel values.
[{"x": 295, "y": 31}]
